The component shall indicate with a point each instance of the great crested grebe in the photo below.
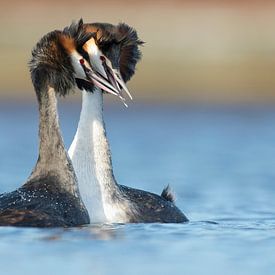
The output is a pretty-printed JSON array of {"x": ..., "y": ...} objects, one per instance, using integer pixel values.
[
  {"x": 114, "y": 52},
  {"x": 50, "y": 197}
]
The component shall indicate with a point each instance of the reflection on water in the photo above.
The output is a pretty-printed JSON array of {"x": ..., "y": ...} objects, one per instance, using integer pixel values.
[
  {"x": 90, "y": 232},
  {"x": 220, "y": 162}
]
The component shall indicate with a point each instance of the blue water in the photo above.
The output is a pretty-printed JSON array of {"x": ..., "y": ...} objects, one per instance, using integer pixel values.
[{"x": 220, "y": 162}]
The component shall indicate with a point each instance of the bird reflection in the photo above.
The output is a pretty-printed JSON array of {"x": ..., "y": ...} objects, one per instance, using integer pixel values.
[{"x": 90, "y": 232}]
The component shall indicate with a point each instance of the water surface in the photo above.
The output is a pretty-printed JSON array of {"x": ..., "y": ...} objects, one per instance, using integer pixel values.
[{"x": 220, "y": 162}]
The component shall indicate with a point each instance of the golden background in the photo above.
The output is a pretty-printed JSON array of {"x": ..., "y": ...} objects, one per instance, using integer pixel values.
[{"x": 195, "y": 51}]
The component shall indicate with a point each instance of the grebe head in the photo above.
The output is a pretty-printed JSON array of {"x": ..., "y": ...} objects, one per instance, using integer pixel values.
[
  {"x": 112, "y": 52},
  {"x": 120, "y": 44},
  {"x": 56, "y": 63}
]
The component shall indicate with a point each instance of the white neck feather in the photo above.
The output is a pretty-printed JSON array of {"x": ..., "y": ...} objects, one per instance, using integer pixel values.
[{"x": 91, "y": 159}]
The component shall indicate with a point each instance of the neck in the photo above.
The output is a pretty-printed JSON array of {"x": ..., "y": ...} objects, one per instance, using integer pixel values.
[
  {"x": 53, "y": 160},
  {"x": 90, "y": 154}
]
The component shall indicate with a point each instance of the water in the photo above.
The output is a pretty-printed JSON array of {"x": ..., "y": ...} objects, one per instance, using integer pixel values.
[{"x": 220, "y": 162}]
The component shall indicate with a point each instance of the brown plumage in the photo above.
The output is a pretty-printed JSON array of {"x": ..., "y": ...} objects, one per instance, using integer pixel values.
[
  {"x": 120, "y": 44},
  {"x": 50, "y": 197}
]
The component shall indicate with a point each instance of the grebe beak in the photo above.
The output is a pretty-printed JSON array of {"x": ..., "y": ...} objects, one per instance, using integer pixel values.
[
  {"x": 102, "y": 73},
  {"x": 114, "y": 76}
]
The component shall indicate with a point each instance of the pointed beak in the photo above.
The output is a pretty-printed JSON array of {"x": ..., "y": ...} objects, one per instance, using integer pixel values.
[
  {"x": 109, "y": 79},
  {"x": 103, "y": 75}
]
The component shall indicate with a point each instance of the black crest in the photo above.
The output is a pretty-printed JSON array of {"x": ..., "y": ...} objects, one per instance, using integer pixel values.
[
  {"x": 130, "y": 53},
  {"x": 78, "y": 33},
  {"x": 50, "y": 65},
  {"x": 121, "y": 45}
]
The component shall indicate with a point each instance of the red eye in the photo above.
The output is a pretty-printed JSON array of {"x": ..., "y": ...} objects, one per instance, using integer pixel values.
[
  {"x": 102, "y": 58},
  {"x": 81, "y": 61}
]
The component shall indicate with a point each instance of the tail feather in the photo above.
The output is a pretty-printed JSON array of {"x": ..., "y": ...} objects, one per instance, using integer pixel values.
[{"x": 168, "y": 194}]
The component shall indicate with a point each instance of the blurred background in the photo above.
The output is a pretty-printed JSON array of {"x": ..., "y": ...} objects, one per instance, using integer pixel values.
[
  {"x": 196, "y": 51},
  {"x": 202, "y": 120}
]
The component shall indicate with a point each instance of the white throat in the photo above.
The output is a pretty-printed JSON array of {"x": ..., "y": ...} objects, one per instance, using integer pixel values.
[{"x": 91, "y": 159}]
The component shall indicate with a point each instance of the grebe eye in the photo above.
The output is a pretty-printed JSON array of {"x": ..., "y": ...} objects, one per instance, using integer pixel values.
[
  {"x": 102, "y": 58},
  {"x": 81, "y": 61}
]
